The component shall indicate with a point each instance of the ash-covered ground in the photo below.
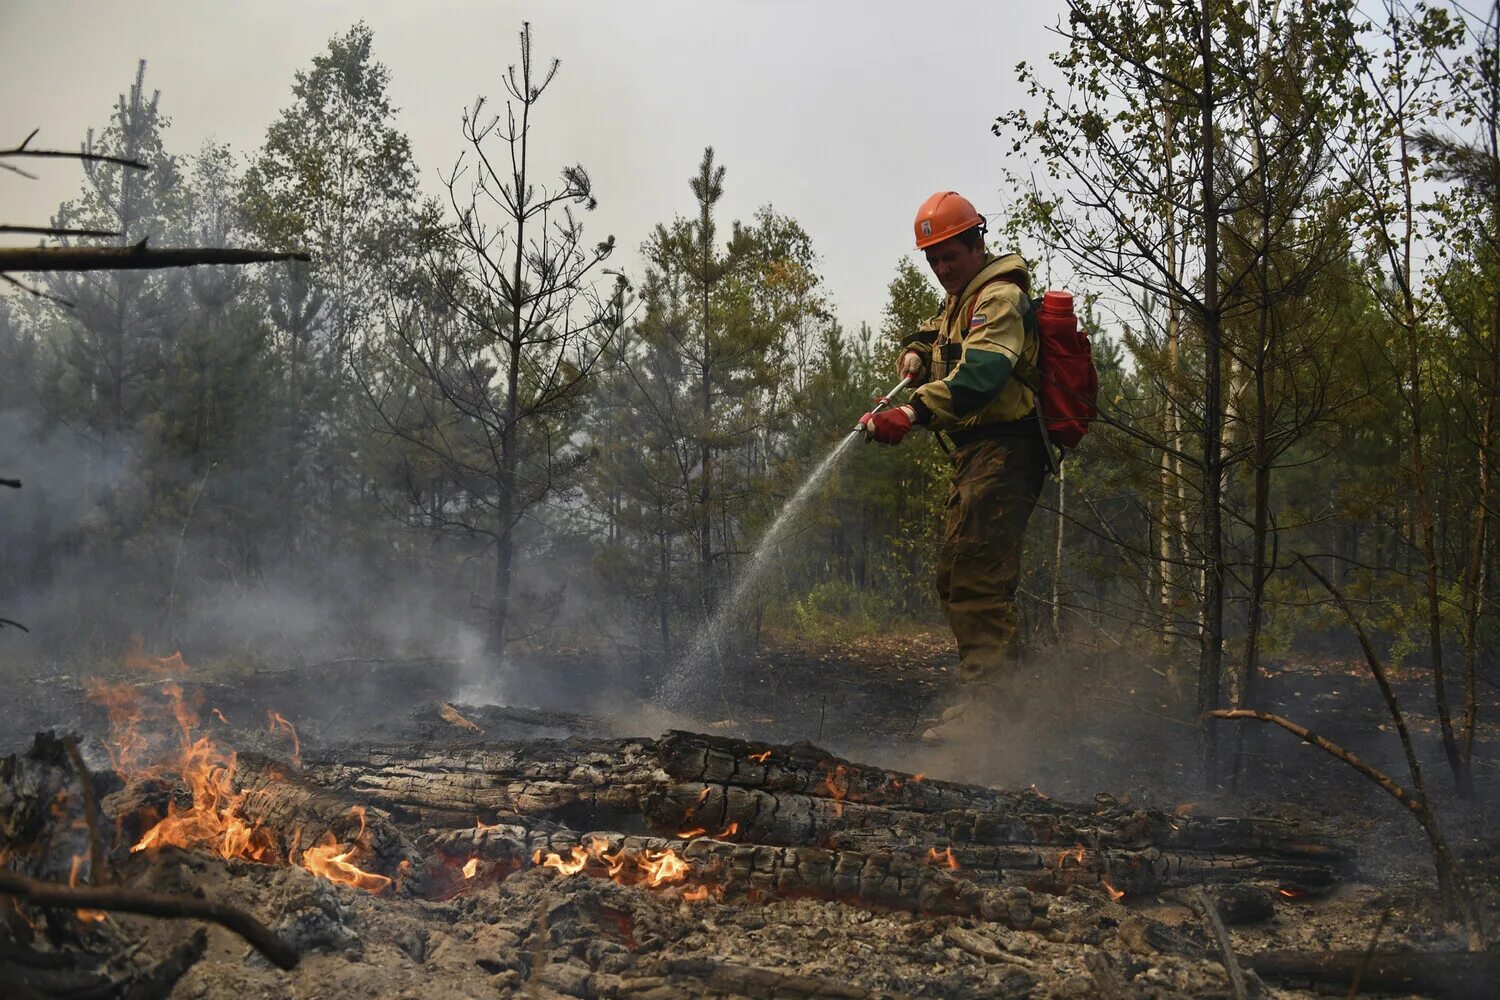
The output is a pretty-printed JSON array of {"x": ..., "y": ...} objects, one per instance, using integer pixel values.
[{"x": 1078, "y": 728}]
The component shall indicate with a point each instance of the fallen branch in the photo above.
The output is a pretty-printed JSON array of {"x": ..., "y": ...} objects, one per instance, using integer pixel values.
[
  {"x": 153, "y": 904},
  {"x": 1210, "y": 915},
  {"x": 1449, "y": 875},
  {"x": 136, "y": 257},
  {"x": 97, "y": 873},
  {"x": 1450, "y": 881}
]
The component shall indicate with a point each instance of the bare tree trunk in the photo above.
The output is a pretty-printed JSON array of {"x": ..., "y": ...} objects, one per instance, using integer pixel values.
[
  {"x": 1211, "y": 648},
  {"x": 1172, "y": 430},
  {"x": 1423, "y": 513},
  {"x": 1475, "y": 577}
]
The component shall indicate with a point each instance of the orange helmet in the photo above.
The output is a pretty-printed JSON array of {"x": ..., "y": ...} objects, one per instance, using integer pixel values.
[{"x": 945, "y": 214}]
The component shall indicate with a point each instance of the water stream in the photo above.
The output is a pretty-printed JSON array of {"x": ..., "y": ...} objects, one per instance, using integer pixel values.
[{"x": 689, "y": 675}]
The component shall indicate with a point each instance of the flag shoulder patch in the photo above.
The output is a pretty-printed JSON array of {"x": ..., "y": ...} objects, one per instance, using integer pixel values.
[{"x": 977, "y": 320}]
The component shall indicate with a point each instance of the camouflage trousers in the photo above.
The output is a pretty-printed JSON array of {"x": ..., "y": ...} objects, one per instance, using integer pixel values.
[{"x": 996, "y": 483}]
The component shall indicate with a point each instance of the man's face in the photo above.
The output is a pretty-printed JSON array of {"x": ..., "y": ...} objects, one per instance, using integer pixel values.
[{"x": 954, "y": 264}]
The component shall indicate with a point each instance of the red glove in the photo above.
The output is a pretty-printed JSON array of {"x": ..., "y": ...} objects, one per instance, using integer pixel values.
[{"x": 887, "y": 426}]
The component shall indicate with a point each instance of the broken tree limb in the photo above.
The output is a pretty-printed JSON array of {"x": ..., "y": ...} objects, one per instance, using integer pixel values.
[
  {"x": 24, "y": 149},
  {"x": 97, "y": 873},
  {"x": 136, "y": 257},
  {"x": 1454, "y": 975},
  {"x": 1450, "y": 877},
  {"x": 1210, "y": 915},
  {"x": 153, "y": 904}
]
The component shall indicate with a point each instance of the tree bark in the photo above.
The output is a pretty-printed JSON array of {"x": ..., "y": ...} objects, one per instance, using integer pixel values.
[{"x": 1211, "y": 648}]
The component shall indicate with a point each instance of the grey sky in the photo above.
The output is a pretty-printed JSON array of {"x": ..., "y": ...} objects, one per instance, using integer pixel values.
[{"x": 842, "y": 114}]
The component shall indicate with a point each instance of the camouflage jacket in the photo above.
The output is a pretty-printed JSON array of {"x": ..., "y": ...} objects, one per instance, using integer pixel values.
[{"x": 973, "y": 345}]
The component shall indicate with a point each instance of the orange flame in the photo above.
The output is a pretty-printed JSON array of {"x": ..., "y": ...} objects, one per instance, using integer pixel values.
[
  {"x": 471, "y": 867},
  {"x": 135, "y": 658},
  {"x": 1114, "y": 893},
  {"x": 696, "y": 831},
  {"x": 696, "y": 894},
  {"x": 1289, "y": 893},
  {"x": 88, "y": 916},
  {"x": 280, "y": 724},
  {"x": 1077, "y": 854},
  {"x": 220, "y": 716},
  {"x": 704, "y": 794},
  {"x": 946, "y": 857},
  {"x": 918, "y": 777},
  {"x": 403, "y": 872},
  {"x": 837, "y": 786},
  {"x": 759, "y": 758},
  {"x": 662, "y": 866},
  {"x": 728, "y": 831},
  {"x": 328, "y": 860},
  {"x": 575, "y": 864}
]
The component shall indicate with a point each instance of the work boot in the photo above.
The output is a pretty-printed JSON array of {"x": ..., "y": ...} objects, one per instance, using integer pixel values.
[{"x": 940, "y": 732}]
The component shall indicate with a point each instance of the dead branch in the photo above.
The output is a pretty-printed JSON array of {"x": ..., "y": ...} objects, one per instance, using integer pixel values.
[
  {"x": 135, "y": 257},
  {"x": 1450, "y": 878},
  {"x": 153, "y": 904},
  {"x": 29, "y": 290},
  {"x": 24, "y": 149},
  {"x": 54, "y": 231},
  {"x": 97, "y": 873},
  {"x": 1210, "y": 915}
]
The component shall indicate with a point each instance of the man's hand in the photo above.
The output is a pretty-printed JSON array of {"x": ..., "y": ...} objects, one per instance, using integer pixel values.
[
  {"x": 913, "y": 366},
  {"x": 887, "y": 426}
]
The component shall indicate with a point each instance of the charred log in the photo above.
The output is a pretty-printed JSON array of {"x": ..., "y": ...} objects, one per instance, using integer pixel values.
[{"x": 799, "y": 796}]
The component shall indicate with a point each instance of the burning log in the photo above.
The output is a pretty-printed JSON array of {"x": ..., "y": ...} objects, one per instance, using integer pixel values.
[
  {"x": 799, "y": 797},
  {"x": 889, "y": 879}
]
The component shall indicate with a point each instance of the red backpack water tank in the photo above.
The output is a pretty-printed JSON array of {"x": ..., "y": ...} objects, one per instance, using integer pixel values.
[{"x": 1069, "y": 390}]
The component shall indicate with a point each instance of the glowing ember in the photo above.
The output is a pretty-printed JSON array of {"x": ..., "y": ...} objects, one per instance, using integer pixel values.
[
  {"x": 332, "y": 861},
  {"x": 403, "y": 872},
  {"x": 759, "y": 758},
  {"x": 278, "y": 724},
  {"x": 837, "y": 786},
  {"x": 1113, "y": 892},
  {"x": 471, "y": 867},
  {"x": 944, "y": 857},
  {"x": 696, "y": 894},
  {"x": 696, "y": 831},
  {"x": 87, "y": 916},
  {"x": 728, "y": 831},
  {"x": 220, "y": 716},
  {"x": 1289, "y": 893},
  {"x": 918, "y": 777}
]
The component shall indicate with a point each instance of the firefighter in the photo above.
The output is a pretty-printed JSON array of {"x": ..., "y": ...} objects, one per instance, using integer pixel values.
[{"x": 969, "y": 365}]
